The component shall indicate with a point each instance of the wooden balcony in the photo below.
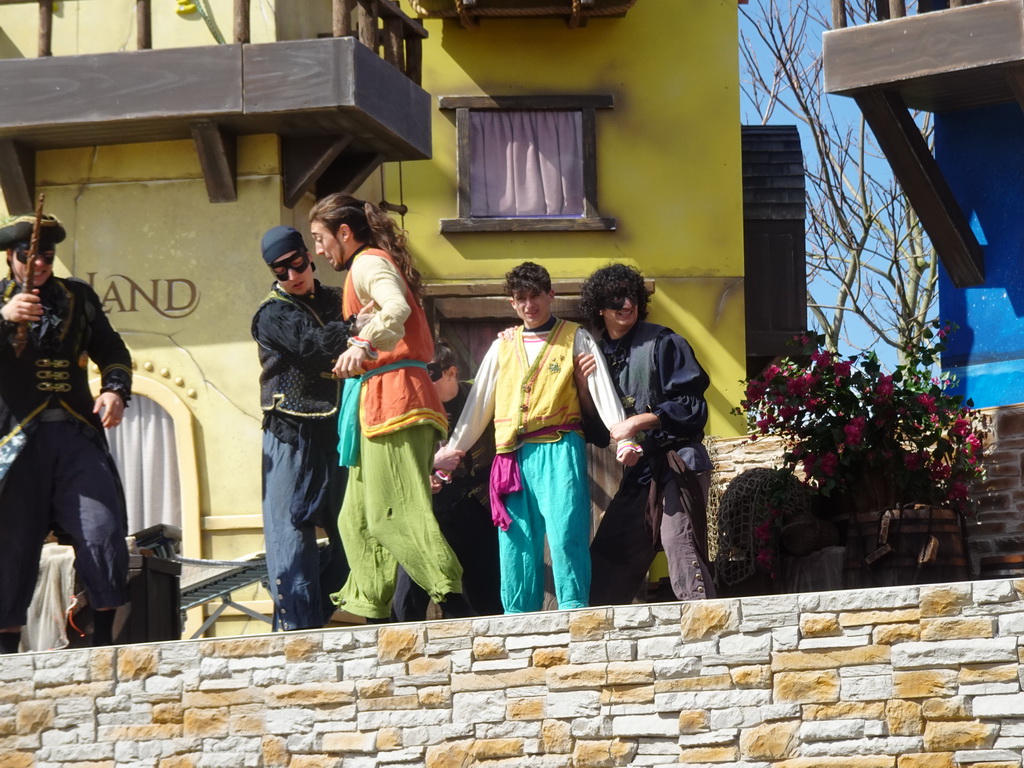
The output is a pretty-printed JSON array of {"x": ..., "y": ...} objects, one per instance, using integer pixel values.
[
  {"x": 339, "y": 107},
  {"x": 957, "y": 58},
  {"x": 470, "y": 12}
]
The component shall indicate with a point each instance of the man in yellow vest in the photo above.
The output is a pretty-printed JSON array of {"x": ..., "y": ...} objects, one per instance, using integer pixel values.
[{"x": 539, "y": 478}]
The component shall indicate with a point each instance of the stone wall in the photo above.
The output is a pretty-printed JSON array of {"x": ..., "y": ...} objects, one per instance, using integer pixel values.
[{"x": 908, "y": 677}]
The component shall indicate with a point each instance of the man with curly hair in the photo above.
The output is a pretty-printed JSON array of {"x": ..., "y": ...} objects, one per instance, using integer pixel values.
[
  {"x": 663, "y": 497},
  {"x": 526, "y": 385}
]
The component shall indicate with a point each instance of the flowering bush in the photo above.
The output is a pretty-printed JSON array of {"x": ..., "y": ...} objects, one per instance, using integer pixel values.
[{"x": 845, "y": 423}]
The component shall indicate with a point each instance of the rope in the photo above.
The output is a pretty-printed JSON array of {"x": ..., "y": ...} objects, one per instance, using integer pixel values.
[{"x": 575, "y": 9}]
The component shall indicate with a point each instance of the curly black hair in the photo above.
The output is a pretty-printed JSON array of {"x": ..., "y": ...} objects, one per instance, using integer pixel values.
[
  {"x": 528, "y": 279},
  {"x": 612, "y": 282}
]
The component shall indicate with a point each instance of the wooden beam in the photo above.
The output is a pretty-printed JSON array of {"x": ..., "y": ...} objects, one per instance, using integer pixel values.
[
  {"x": 45, "y": 28},
  {"x": 143, "y": 25},
  {"x": 304, "y": 159},
  {"x": 1015, "y": 79},
  {"x": 567, "y": 101},
  {"x": 341, "y": 17},
  {"x": 217, "y": 156},
  {"x": 924, "y": 185},
  {"x": 17, "y": 176},
  {"x": 348, "y": 171},
  {"x": 242, "y": 21}
]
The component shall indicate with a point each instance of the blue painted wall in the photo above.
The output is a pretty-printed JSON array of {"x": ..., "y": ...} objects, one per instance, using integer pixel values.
[{"x": 981, "y": 152}]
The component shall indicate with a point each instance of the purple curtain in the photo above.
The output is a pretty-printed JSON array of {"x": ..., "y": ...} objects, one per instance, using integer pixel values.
[{"x": 526, "y": 163}]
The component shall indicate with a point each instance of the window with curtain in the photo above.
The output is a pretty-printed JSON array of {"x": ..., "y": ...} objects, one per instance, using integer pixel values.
[
  {"x": 526, "y": 163},
  {"x": 145, "y": 452}
]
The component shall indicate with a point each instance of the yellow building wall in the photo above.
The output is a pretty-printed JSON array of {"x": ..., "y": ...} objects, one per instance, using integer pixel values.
[{"x": 669, "y": 165}]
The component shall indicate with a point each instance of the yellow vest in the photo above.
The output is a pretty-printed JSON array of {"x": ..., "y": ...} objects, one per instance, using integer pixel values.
[{"x": 529, "y": 398}]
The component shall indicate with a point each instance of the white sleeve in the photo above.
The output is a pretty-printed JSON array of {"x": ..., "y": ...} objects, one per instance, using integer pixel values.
[
  {"x": 478, "y": 411},
  {"x": 602, "y": 388}
]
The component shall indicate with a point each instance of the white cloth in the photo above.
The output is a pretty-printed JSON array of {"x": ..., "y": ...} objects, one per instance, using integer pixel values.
[{"x": 46, "y": 626}]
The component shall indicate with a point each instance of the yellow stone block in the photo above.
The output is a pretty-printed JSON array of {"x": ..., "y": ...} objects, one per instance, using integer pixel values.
[
  {"x": 988, "y": 673},
  {"x": 577, "y": 676},
  {"x": 34, "y": 716},
  {"x": 956, "y": 628},
  {"x": 630, "y": 672},
  {"x": 705, "y": 618},
  {"x": 924, "y": 683},
  {"x": 755, "y": 676},
  {"x": 693, "y": 721},
  {"x": 213, "y": 699},
  {"x": 374, "y": 689},
  {"x": 389, "y": 738},
  {"x": 819, "y": 625},
  {"x": 818, "y": 686},
  {"x": 349, "y": 741},
  {"x": 101, "y": 664},
  {"x": 831, "y": 659},
  {"x": 184, "y": 761},
  {"x": 720, "y": 682},
  {"x": 78, "y": 690},
  {"x": 167, "y": 712},
  {"x": 846, "y": 761},
  {"x": 275, "y": 752},
  {"x": 399, "y": 643},
  {"x": 427, "y": 665},
  {"x": 627, "y": 694},
  {"x": 12, "y": 693},
  {"x": 12, "y": 759},
  {"x": 602, "y": 754},
  {"x": 435, "y": 696},
  {"x": 944, "y": 600},
  {"x": 315, "y": 761},
  {"x": 493, "y": 681},
  {"x": 489, "y": 648},
  {"x": 445, "y": 630},
  {"x": 144, "y": 732},
  {"x": 953, "y": 708},
  {"x": 550, "y": 657},
  {"x": 709, "y": 755},
  {"x": 866, "y": 618},
  {"x": 846, "y": 710},
  {"x": 904, "y": 717},
  {"x": 247, "y": 720},
  {"x": 493, "y": 749},
  {"x": 205, "y": 722},
  {"x": 408, "y": 701},
  {"x": 529, "y": 708},
  {"x": 237, "y": 648},
  {"x": 1018, "y": 586},
  {"x": 927, "y": 760},
  {"x": 770, "y": 741},
  {"x": 451, "y": 754},
  {"x": 302, "y": 647},
  {"x": 310, "y": 694},
  {"x": 557, "y": 737},
  {"x": 951, "y": 736},
  {"x": 590, "y": 625},
  {"x": 136, "y": 663},
  {"x": 890, "y": 634}
]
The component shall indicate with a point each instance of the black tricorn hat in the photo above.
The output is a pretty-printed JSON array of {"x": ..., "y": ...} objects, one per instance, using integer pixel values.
[{"x": 18, "y": 229}]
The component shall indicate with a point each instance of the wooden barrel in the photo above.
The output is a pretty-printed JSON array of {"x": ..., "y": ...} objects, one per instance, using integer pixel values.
[{"x": 912, "y": 545}]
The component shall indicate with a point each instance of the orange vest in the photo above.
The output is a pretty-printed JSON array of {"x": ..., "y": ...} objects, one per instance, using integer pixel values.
[{"x": 403, "y": 397}]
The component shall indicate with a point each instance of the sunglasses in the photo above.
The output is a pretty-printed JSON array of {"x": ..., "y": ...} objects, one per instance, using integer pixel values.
[
  {"x": 618, "y": 302},
  {"x": 434, "y": 369},
  {"x": 21, "y": 253},
  {"x": 298, "y": 263}
]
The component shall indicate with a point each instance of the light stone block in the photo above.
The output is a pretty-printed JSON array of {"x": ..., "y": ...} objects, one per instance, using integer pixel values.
[
  {"x": 867, "y": 688},
  {"x": 994, "y": 591},
  {"x": 845, "y": 641},
  {"x": 954, "y": 653},
  {"x": 573, "y": 704},
  {"x": 479, "y": 707},
  {"x": 645, "y": 725},
  {"x": 832, "y": 730}
]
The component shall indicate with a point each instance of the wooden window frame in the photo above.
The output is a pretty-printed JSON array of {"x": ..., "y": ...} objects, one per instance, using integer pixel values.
[{"x": 587, "y": 105}]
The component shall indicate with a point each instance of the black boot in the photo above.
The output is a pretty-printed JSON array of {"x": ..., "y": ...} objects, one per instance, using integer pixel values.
[
  {"x": 455, "y": 606},
  {"x": 103, "y": 628},
  {"x": 9, "y": 642}
]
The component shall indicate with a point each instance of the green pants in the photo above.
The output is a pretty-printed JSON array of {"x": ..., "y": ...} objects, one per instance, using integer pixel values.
[{"x": 388, "y": 518}]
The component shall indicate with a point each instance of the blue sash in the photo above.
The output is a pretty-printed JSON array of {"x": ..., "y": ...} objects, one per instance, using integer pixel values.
[{"x": 349, "y": 430}]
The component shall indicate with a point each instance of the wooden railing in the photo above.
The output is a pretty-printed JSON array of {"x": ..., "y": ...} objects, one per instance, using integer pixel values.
[
  {"x": 377, "y": 24},
  {"x": 891, "y": 9}
]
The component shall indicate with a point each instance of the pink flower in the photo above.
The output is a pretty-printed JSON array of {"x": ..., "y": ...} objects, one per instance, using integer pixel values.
[
  {"x": 960, "y": 428},
  {"x": 958, "y": 492},
  {"x": 975, "y": 442},
  {"x": 770, "y": 373},
  {"x": 843, "y": 370},
  {"x": 755, "y": 391},
  {"x": 855, "y": 431},
  {"x": 884, "y": 388},
  {"x": 927, "y": 401},
  {"x": 829, "y": 462},
  {"x": 822, "y": 358}
]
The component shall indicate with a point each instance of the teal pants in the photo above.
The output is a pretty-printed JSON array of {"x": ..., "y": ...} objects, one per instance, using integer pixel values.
[
  {"x": 555, "y": 501},
  {"x": 387, "y": 518}
]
